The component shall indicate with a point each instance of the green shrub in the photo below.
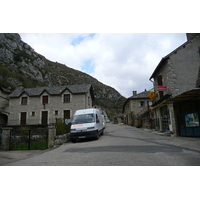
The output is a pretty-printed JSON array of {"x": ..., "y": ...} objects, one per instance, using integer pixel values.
[{"x": 61, "y": 127}]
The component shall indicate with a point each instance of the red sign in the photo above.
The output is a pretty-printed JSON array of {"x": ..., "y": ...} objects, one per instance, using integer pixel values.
[{"x": 162, "y": 88}]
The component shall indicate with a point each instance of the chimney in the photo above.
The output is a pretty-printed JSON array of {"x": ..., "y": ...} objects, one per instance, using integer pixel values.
[
  {"x": 20, "y": 87},
  {"x": 9, "y": 89},
  {"x": 134, "y": 93}
]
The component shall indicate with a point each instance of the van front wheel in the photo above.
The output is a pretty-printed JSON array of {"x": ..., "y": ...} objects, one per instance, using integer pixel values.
[
  {"x": 97, "y": 135},
  {"x": 73, "y": 140}
]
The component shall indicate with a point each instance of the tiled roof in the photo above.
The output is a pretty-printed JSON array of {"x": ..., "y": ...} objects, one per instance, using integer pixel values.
[
  {"x": 4, "y": 90},
  {"x": 53, "y": 90},
  {"x": 140, "y": 95}
]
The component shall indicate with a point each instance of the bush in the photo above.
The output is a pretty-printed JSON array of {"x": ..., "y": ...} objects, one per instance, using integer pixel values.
[{"x": 61, "y": 127}]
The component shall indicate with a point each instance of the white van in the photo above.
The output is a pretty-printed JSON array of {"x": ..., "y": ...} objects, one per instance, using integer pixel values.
[
  {"x": 104, "y": 122},
  {"x": 86, "y": 123}
]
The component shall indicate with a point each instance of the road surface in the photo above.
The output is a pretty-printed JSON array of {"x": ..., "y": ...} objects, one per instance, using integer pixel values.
[{"x": 121, "y": 145}]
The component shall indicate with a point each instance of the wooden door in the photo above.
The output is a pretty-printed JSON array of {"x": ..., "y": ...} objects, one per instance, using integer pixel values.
[
  {"x": 23, "y": 118},
  {"x": 44, "y": 117}
]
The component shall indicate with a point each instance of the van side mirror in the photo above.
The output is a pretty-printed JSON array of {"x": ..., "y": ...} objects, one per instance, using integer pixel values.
[{"x": 97, "y": 120}]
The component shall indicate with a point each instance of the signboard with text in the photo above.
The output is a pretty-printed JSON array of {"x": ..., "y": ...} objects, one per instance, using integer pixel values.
[{"x": 162, "y": 88}]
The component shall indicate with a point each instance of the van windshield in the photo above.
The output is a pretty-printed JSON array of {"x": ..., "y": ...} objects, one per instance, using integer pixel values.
[{"x": 82, "y": 119}]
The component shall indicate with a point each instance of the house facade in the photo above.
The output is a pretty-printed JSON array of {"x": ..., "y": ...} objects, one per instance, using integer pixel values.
[
  {"x": 4, "y": 102},
  {"x": 136, "y": 109},
  {"x": 176, "y": 107},
  {"x": 44, "y": 105}
]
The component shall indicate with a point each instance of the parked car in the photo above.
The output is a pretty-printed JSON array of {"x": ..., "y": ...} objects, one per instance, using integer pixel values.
[{"x": 86, "y": 123}]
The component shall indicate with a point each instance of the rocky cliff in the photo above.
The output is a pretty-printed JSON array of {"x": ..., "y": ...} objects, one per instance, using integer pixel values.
[{"x": 21, "y": 65}]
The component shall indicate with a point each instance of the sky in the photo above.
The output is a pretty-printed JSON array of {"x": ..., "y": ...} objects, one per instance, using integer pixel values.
[{"x": 124, "y": 61}]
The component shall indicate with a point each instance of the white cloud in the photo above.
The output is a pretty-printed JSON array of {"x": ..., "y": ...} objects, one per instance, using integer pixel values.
[{"x": 123, "y": 61}]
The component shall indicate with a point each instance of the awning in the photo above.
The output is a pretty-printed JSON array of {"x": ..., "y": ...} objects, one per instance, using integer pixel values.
[
  {"x": 160, "y": 100},
  {"x": 191, "y": 95}
]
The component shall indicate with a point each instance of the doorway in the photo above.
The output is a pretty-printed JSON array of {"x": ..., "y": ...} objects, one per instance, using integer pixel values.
[
  {"x": 165, "y": 118},
  {"x": 44, "y": 117},
  {"x": 23, "y": 118}
]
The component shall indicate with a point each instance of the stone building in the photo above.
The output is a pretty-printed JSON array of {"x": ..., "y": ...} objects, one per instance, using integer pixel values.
[
  {"x": 44, "y": 105},
  {"x": 136, "y": 109},
  {"x": 177, "y": 98},
  {"x": 4, "y": 102}
]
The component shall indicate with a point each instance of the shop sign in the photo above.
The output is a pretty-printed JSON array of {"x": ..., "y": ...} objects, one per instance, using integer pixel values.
[{"x": 162, "y": 88}]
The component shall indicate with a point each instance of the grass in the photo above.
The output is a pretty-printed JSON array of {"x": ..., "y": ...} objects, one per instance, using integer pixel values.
[{"x": 42, "y": 145}]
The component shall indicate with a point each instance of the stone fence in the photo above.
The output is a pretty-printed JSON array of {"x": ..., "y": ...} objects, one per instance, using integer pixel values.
[
  {"x": 60, "y": 139},
  {"x": 5, "y": 143}
]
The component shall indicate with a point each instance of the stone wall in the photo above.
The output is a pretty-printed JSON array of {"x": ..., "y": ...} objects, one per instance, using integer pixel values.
[
  {"x": 5, "y": 144},
  {"x": 60, "y": 139}
]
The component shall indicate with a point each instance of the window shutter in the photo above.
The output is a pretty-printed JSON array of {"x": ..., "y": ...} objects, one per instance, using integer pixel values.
[
  {"x": 44, "y": 99},
  {"x": 66, "y": 98},
  {"x": 24, "y": 101}
]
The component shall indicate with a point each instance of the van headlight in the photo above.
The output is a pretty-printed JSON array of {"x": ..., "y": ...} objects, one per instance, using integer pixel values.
[
  {"x": 73, "y": 129},
  {"x": 92, "y": 127}
]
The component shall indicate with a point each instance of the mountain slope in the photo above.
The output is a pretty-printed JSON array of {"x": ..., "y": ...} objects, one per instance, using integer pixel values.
[{"x": 21, "y": 65}]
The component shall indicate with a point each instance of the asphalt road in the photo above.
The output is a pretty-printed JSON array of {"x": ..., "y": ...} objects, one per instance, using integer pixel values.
[{"x": 120, "y": 145}]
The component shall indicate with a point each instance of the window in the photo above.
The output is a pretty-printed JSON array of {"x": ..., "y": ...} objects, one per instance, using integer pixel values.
[
  {"x": 66, "y": 98},
  {"x": 88, "y": 101},
  {"x": 149, "y": 103},
  {"x": 56, "y": 112},
  {"x": 160, "y": 83},
  {"x": 159, "y": 79},
  {"x": 24, "y": 101},
  {"x": 33, "y": 113},
  {"x": 142, "y": 103},
  {"x": 44, "y": 99},
  {"x": 97, "y": 119},
  {"x": 66, "y": 114},
  {"x": 82, "y": 119}
]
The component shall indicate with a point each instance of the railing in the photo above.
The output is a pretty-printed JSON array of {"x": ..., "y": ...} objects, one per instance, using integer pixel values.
[{"x": 29, "y": 139}]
